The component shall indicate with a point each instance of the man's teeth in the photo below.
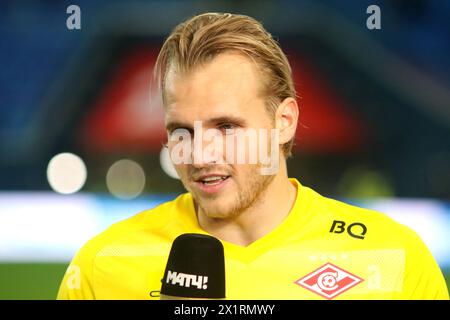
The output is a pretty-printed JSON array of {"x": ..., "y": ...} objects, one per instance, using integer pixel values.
[{"x": 213, "y": 180}]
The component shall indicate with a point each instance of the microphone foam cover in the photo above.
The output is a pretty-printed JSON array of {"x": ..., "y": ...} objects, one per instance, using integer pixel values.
[{"x": 195, "y": 268}]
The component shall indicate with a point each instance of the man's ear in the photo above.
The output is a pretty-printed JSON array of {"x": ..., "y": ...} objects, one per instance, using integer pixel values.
[{"x": 286, "y": 119}]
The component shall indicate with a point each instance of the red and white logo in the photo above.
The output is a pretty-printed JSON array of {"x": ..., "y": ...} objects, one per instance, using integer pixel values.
[{"x": 329, "y": 281}]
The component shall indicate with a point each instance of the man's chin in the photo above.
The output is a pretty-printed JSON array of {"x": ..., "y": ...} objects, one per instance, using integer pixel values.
[
  {"x": 217, "y": 214},
  {"x": 215, "y": 210}
]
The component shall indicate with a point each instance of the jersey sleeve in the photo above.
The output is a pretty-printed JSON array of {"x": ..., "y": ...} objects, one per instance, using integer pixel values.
[
  {"x": 77, "y": 283},
  {"x": 423, "y": 277}
]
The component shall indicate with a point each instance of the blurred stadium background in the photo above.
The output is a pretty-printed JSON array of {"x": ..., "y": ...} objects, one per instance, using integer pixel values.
[{"x": 375, "y": 118}]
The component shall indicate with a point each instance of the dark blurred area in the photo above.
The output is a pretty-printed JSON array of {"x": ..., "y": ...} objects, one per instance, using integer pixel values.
[{"x": 375, "y": 104}]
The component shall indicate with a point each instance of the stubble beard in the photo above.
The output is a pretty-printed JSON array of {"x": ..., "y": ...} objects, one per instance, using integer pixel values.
[{"x": 249, "y": 191}]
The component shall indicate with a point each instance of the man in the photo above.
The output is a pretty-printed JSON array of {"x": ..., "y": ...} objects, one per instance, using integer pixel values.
[{"x": 223, "y": 73}]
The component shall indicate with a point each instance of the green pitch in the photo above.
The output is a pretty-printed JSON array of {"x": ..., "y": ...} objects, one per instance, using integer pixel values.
[{"x": 30, "y": 280}]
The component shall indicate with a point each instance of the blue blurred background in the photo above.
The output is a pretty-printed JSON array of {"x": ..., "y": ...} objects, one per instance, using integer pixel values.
[{"x": 81, "y": 127}]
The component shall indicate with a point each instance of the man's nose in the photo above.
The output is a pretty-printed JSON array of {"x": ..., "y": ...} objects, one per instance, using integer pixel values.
[{"x": 207, "y": 148}]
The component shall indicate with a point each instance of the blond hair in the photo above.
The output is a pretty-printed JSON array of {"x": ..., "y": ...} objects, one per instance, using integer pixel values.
[{"x": 203, "y": 37}]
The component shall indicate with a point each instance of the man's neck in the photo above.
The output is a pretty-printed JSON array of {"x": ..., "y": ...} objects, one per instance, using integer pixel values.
[{"x": 263, "y": 216}]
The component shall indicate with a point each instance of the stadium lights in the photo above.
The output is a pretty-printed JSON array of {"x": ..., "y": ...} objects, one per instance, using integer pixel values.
[
  {"x": 66, "y": 173},
  {"x": 125, "y": 179}
]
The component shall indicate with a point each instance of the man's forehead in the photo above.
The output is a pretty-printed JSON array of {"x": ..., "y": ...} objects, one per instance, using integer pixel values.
[
  {"x": 227, "y": 75},
  {"x": 191, "y": 112}
]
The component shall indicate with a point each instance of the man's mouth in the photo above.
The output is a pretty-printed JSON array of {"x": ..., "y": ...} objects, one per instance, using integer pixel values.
[
  {"x": 213, "y": 180},
  {"x": 212, "y": 183}
]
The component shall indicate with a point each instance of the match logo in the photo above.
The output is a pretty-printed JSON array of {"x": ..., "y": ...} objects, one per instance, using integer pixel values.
[
  {"x": 329, "y": 281},
  {"x": 187, "y": 280}
]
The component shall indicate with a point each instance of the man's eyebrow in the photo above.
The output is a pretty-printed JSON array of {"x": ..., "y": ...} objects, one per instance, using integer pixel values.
[
  {"x": 227, "y": 119},
  {"x": 172, "y": 125}
]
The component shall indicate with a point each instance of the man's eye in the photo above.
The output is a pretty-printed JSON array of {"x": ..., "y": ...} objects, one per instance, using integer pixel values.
[
  {"x": 181, "y": 131},
  {"x": 227, "y": 126}
]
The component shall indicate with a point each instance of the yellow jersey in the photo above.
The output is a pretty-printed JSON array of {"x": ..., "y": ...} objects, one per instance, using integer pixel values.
[{"x": 324, "y": 249}]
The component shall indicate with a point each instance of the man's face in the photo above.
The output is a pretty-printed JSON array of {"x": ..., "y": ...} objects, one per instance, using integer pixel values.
[{"x": 223, "y": 94}]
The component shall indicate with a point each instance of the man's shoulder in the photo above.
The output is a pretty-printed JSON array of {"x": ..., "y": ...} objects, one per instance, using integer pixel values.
[
  {"x": 131, "y": 230},
  {"x": 367, "y": 223}
]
